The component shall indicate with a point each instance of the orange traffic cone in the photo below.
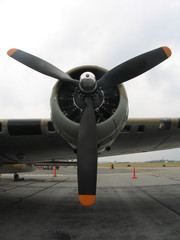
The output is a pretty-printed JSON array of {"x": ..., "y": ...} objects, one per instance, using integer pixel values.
[
  {"x": 134, "y": 174},
  {"x": 111, "y": 166},
  {"x": 54, "y": 172}
]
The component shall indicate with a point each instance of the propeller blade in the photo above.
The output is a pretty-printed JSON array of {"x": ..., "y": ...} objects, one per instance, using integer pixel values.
[
  {"x": 39, "y": 65},
  {"x": 87, "y": 155},
  {"x": 134, "y": 67}
]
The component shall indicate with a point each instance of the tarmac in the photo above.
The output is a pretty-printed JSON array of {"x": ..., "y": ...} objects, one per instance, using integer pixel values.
[{"x": 47, "y": 207}]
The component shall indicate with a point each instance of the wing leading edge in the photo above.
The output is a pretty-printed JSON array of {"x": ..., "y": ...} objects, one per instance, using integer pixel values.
[
  {"x": 31, "y": 140},
  {"x": 36, "y": 140},
  {"x": 147, "y": 134}
]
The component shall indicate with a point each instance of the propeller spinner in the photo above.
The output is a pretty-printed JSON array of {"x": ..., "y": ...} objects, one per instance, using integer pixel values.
[{"x": 88, "y": 82}]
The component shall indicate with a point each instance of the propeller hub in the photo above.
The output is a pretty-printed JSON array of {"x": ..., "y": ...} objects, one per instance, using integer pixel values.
[{"x": 87, "y": 82}]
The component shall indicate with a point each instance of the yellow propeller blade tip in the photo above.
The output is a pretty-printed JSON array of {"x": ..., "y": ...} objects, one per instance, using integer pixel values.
[
  {"x": 87, "y": 200},
  {"x": 167, "y": 51},
  {"x": 11, "y": 51}
]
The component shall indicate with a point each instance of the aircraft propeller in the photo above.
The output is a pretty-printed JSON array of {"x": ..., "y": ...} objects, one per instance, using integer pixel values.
[
  {"x": 87, "y": 136},
  {"x": 134, "y": 67},
  {"x": 39, "y": 65},
  {"x": 87, "y": 155}
]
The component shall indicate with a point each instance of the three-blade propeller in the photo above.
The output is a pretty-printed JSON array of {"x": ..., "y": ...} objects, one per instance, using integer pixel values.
[{"x": 87, "y": 137}]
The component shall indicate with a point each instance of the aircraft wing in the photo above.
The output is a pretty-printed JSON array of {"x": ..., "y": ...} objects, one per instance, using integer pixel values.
[
  {"x": 32, "y": 141},
  {"x": 147, "y": 134},
  {"x": 36, "y": 140}
]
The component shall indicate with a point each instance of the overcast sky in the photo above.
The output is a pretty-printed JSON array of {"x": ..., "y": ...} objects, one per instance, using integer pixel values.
[{"x": 71, "y": 33}]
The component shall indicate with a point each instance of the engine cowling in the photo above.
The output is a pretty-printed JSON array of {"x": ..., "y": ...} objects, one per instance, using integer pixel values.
[{"x": 111, "y": 109}]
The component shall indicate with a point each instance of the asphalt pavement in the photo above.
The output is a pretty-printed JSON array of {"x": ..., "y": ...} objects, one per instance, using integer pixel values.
[{"x": 47, "y": 207}]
